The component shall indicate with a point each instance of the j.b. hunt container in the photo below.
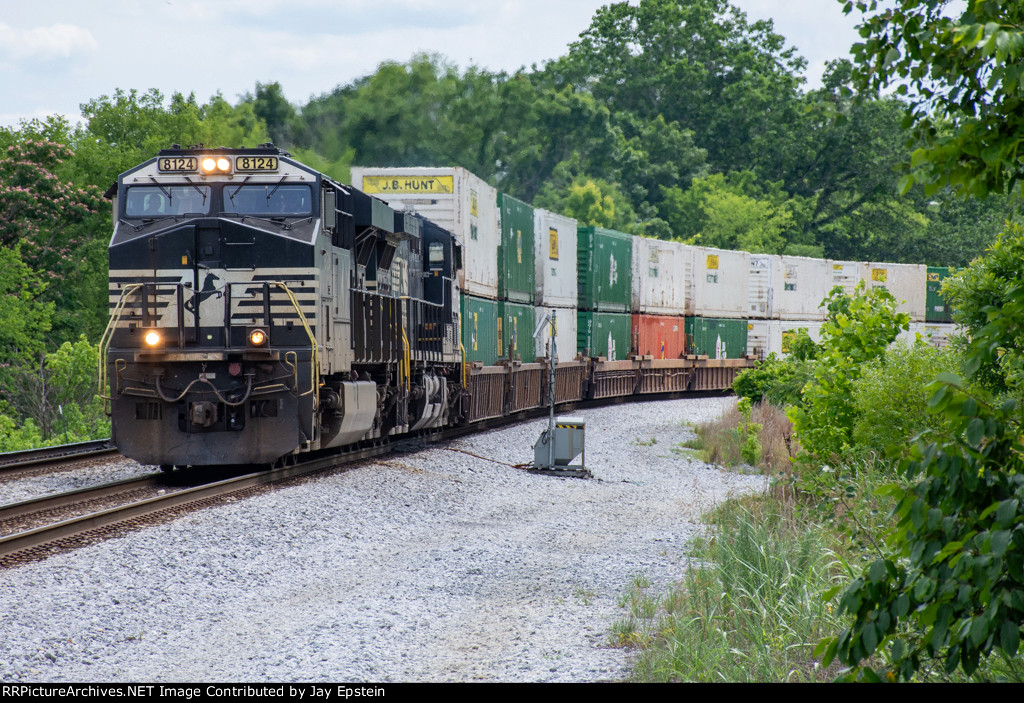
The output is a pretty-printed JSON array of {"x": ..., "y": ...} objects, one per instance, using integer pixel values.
[
  {"x": 716, "y": 338},
  {"x": 604, "y": 334},
  {"x": 554, "y": 250},
  {"x": 565, "y": 333},
  {"x": 718, "y": 283},
  {"x": 515, "y": 252},
  {"x": 452, "y": 198},
  {"x": 604, "y": 269},
  {"x": 659, "y": 276}
]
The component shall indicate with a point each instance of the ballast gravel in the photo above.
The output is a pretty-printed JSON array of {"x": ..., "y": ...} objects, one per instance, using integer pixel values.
[{"x": 430, "y": 566}]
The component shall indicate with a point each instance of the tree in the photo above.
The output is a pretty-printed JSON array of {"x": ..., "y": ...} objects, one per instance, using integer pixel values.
[
  {"x": 24, "y": 318},
  {"x": 961, "y": 78}
]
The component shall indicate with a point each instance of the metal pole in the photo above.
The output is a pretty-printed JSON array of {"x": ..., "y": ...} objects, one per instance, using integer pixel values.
[{"x": 551, "y": 395}]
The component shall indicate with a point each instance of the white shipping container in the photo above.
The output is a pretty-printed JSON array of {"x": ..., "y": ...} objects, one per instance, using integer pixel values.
[
  {"x": 762, "y": 272},
  {"x": 565, "y": 333},
  {"x": 846, "y": 274},
  {"x": 554, "y": 238},
  {"x": 765, "y": 337},
  {"x": 908, "y": 283},
  {"x": 936, "y": 334},
  {"x": 718, "y": 283},
  {"x": 800, "y": 284},
  {"x": 452, "y": 198},
  {"x": 659, "y": 276}
]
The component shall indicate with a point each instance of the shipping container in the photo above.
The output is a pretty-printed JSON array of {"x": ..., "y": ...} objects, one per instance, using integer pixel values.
[
  {"x": 801, "y": 284},
  {"x": 660, "y": 336},
  {"x": 515, "y": 252},
  {"x": 604, "y": 268},
  {"x": 554, "y": 250},
  {"x": 845, "y": 274},
  {"x": 480, "y": 320},
  {"x": 765, "y": 337},
  {"x": 908, "y": 283},
  {"x": 659, "y": 277},
  {"x": 719, "y": 283},
  {"x": 936, "y": 334},
  {"x": 515, "y": 331},
  {"x": 604, "y": 334},
  {"x": 760, "y": 293},
  {"x": 565, "y": 333},
  {"x": 454, "y": 199},
  {"x": 937, "y": 310},
  {"x": 716, "y": 338}
]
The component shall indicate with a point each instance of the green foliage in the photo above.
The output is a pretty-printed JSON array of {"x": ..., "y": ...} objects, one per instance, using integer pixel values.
[
  {"x": 774, "y": 380},
  {"x": 950, "y": 592},
  {"x": 54, "y": 400},
  {"x": 961, "y": 78},
  {"x": 746, "y": 609},
  {"x": 856, "y": 330},
  {"x": 890, "y": 400},
  {"x": 976, "y": 293},
  {"x": 24, "y": 318},
  {"x": 749, "y": 434},
  {"x": 590, "y": 201}
]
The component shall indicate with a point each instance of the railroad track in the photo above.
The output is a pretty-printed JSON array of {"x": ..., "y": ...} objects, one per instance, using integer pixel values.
[
  {"x": 147, "y": 499},
  {"x": 30, "y": 461}
]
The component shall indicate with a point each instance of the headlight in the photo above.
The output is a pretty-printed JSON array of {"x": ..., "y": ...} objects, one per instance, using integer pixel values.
[
  {"x": 152, "y": 338},
  {"x": 258, "y": 337},
  {"x": 215, "y": 164}
]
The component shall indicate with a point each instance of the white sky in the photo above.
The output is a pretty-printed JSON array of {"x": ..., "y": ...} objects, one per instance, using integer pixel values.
[{"x": 57, "y": 54}]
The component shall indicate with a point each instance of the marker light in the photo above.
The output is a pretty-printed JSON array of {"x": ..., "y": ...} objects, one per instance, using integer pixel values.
[
  {"x": 152, "y": 338},
  {"x": 258, "y": 337}
]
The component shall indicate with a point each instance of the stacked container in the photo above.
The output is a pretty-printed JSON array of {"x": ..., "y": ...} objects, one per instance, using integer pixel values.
[
  {"x": 906, "y": 282},
  {"x": 454, "y": 199},
  {"x": 937, "y": 310},
  {"x": 515, "y": 331},
  {"x": 659, "y": 298},
  {"x": 717, "y": 338},
  {"x": 555, "y": 278},
  {"x": 765, "y": 337},
  {"x": 845, "y": 274},
  {"x": 718, "y": 291},
  {"x": 604, "y": 267},
  {"x": 515, "y": 251}
]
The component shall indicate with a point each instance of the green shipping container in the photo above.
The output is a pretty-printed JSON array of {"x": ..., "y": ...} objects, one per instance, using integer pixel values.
[
  {"x": 937, "y": 310},
  {"x": 515, "y": 250},
  {"x": 604, "y": 334},
  {"x": 516, "y": 329},
  {"x": 604, "y": 261},
  {"x": 716, "y": 338},
  {"x": 480, "y": 322}
]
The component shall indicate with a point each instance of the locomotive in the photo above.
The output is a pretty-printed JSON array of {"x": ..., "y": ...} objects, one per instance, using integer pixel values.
[{"x": 260, "y": 309}]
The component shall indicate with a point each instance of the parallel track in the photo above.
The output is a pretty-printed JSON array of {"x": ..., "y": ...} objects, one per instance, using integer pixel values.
[{"x": 17, "y": 464}]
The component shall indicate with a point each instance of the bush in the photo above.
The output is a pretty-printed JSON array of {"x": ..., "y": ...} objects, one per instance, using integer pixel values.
[
  {"x": 890, "y": 399},
  {"x": 774, "y": 380}
]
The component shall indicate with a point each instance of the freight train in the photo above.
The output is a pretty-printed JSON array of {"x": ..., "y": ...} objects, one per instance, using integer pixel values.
[{"x": 260, "y": 309}]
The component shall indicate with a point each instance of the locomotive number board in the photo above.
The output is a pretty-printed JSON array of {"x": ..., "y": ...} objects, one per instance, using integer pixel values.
[
  {"x": 256, "y": 163},
  {"x": 177, "y": 164}
]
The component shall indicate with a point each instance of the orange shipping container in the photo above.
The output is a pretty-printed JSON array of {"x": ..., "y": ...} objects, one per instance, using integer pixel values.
[{"x": 660, "y": 336}]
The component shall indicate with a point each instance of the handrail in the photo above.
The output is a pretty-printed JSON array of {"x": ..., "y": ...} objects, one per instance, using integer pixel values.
[
  {"x": 315, "y": 355},
  {"x": 108, "y": 335}
]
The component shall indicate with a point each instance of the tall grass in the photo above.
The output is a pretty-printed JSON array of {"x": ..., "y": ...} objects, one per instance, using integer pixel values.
[{"x": 748, "y": 609}]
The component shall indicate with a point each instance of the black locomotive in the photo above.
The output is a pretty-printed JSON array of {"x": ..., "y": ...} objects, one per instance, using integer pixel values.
[{"x": 259, "y": 309}]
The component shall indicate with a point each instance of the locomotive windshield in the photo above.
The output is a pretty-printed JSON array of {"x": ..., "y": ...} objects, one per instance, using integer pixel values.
[
  {"x": 269, "y": 200},
  {"x": 167, "y": 201}
]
